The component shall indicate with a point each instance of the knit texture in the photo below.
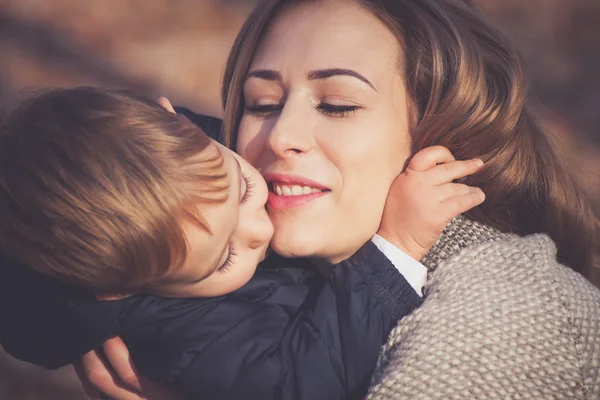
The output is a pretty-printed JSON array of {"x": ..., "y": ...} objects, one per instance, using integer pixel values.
[{"x": 502, "y": 319}]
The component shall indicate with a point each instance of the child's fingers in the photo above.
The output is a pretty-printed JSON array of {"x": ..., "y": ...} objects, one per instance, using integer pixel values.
[
  {"x": 88, "y": 387},
  {"x": 166, "y": 104},
  {"x": 429, "y": 157},
  {"x": 457, "y": 205},
  {"x": 450, "y": 171},
  {"x": 120, "y": 360},
  {"x": 449, "y": 190},
  {"x": 101, "y": 381}
]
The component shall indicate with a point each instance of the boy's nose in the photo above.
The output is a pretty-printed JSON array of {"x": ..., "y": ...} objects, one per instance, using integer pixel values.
[{"x": 263, "y": 231}]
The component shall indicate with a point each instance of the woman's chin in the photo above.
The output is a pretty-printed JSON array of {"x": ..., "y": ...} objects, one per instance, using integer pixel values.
[{"x": 289, "y": 248}]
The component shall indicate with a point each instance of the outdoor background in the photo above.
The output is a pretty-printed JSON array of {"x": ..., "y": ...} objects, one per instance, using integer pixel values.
[{"x": 178, "y": 48}]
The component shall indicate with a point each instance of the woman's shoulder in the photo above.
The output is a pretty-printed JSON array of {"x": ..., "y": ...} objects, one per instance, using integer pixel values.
[
  {"x": 505, "y": 315},
  {"x": 515, "y": 268},
  {"x": 513, "y": 260}
]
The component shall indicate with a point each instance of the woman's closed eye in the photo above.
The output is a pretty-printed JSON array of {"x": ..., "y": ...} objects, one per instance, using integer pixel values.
[
  {"x": 263, "y": 110},
  {"x": 335, "y": 110},
  {"x": 332, "y": 110}
]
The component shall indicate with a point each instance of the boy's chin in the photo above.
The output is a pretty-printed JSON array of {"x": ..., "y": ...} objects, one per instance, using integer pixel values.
[{"x": 265, "y": 254}]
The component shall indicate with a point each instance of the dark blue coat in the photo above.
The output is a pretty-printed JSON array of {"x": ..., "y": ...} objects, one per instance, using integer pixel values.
[{"x": 287, "y": 334}]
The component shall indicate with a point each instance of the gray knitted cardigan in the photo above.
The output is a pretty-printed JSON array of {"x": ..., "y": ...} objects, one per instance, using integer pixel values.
[{"x": 501, "y": 320}]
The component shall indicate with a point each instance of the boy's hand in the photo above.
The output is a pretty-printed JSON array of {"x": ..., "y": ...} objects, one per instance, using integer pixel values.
[
  {"x": 424, "y": 199},
  {"x": 166, "y": 104},
  {"x": 109, "y": 373}
]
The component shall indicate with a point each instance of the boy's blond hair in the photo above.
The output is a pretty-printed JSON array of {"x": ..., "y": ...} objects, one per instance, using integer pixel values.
[{"x": 96, "y": 184}]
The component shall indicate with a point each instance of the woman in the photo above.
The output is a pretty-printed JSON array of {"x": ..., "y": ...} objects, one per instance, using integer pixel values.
[{"x": 342, "y": 93}]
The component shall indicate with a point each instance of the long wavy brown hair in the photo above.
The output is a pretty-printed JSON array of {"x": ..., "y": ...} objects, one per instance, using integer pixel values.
[{"x": 467, "y": 92}]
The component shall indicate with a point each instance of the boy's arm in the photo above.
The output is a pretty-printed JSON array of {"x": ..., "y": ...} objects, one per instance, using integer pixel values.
[{"x": 325, "y": 348}]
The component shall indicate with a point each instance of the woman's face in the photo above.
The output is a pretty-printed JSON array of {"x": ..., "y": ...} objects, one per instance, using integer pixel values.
[{"x": 326, "y": 124}]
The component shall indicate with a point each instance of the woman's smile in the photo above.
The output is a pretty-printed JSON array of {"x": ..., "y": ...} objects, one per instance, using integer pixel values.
[{"x": 292, "y": 191}]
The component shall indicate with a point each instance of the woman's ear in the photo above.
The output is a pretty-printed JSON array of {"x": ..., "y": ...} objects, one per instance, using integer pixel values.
[{"x": 166, "y": 104}]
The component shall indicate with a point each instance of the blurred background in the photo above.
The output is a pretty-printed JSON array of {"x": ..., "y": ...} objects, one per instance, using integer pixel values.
[{"x": 178, "y": 48}]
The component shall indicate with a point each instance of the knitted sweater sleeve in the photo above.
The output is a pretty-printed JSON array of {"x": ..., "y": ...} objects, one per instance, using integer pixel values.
[{"x": 501, "y": 320}]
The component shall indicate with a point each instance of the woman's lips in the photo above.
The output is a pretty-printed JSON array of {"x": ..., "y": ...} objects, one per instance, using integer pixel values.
[
  {"x": 289, "y": 191},
  {"x": 277, "y": 202}
]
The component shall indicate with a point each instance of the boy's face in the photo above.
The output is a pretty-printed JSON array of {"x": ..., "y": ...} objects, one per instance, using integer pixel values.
[{"x": 222, "y": 261}]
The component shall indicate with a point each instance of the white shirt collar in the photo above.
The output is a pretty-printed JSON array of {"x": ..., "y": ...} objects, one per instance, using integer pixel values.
[{"x": 412, "y": 270}]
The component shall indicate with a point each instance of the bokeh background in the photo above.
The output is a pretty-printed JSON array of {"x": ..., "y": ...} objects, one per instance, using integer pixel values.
[{"x": 178, "y": 48}]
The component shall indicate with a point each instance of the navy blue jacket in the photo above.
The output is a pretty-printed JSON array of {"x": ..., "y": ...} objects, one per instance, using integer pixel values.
[{"x": 287, "y": 334}]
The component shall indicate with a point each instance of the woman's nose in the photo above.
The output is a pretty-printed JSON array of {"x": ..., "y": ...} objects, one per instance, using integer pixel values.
[{"x": 290, "y": 134}]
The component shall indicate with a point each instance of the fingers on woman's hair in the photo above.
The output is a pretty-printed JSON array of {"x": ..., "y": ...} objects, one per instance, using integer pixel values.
[
  {"x": 101, "y": 382},
  {"x": 429, "y": 157},
  {"x": 450, "y": 171},
  {"x": 166, "y": 104},
  {"x": 450, "y": 190},
  {"x": 456, "y": 205}
]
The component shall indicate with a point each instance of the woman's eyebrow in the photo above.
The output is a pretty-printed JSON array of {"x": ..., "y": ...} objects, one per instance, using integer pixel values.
[
  {"x": 266, "y": 74},
  {"x": 328, "y": 73}
]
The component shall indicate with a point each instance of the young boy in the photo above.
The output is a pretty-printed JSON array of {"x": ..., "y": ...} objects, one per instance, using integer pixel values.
[{"x": 119, "y": 218}]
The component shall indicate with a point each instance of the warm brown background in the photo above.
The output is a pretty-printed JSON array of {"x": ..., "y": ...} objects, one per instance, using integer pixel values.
[{"x": 178, "y": 48}]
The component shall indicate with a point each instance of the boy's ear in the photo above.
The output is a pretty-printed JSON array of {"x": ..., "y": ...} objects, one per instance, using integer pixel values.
[
  {"x": 166, "y": 104},
  {"x": 110, "y": 296}
]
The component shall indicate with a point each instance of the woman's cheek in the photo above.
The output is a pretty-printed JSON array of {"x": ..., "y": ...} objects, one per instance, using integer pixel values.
[
  {"x": 370, "y": 159},
  {"x": 253, "y": 135},
  {"x": 246, "y": 134}
]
